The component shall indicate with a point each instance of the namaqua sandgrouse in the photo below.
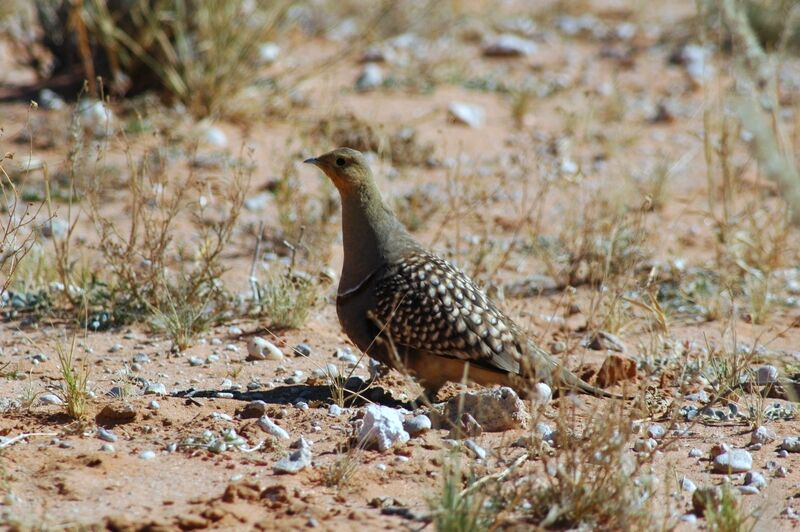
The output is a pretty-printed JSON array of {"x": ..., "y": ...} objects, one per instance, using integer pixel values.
[{"x": 407, "y": 308}]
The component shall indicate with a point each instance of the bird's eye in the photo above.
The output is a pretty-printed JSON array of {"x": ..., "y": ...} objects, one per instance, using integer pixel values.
[{"x": 340, "y": 161}]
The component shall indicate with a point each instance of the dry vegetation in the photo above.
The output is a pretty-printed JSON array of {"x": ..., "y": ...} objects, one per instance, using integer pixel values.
[{"x": 633, "y": 195}]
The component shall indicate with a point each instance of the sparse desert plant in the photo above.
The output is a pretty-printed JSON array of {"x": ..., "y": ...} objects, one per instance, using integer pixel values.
[
  {"x": 149, "y": 270},
  {"x": 456, "y": 509},
  {"x": 17, "y": 235},
  {"x": 200, "y": 53},
  {"x": 723, "y": 511},
  {"x": 74, "y": 381},
  {"x": 284, "y": 298},
  {"x": 180, "y": 316},
  {"x": 602, "y": 242},
  {"x": 592, "y": 477},
  {"x": 342, "y": 470}
]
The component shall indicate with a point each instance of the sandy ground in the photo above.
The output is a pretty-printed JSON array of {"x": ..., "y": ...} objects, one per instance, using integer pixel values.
[{"x": 486, "y": 185}]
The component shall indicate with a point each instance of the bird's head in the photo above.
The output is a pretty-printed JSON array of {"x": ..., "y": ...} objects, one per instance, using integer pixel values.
[{"x": 346, "y": 167}]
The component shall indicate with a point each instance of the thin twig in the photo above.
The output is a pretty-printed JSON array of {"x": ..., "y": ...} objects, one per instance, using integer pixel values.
[{"x": 21, "y": 437}]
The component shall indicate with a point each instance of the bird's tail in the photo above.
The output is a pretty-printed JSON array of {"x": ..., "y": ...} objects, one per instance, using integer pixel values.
[{"x": 543, "y": 367}]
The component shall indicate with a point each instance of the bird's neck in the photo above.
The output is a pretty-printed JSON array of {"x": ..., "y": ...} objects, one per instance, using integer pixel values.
[{"x": 371, "y": 234}]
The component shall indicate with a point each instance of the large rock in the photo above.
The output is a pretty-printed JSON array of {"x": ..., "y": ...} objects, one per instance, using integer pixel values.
[{"x": 495, "y": 410}]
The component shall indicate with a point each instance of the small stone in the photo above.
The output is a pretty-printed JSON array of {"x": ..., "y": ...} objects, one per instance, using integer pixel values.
[
  {"x": 155, "y": 388},
  {"x": 476, "y": 450},
  {"x": 141, "y": 358},
  {"x": 508, "y": 45},
  {"x": 302, "y": 350},
  {"x": 268, "y": 426},
  {"x": 791, "y": 444},
  {"x": 147, "y": 455},
  {"x": 542, "y": 393},
  {"x": 335, "y": 410},
  {"x": 38, "y": 358},
  {"x": 106, "y": 435},
  {"x": 645, "y": 445},
  {"x": 253, "y": 409},
  {"x": 417, "y": 425},
  {"x": 733, "y": 461},
  {"x": 268, "y": 53},
  {"x": 371, "y": 77},
  {"x": 688, "y": 485},
  {"x": 117, "y": 412},
  {"x": 656, "y": 432},
  {"x": 689, "y": 518},
  {"x": 761, "y": 435},
  {"x": 153, "y": 405},
  {"x": 754, "y": 478},
  {"x": 748, "y": 490},
  {"x": 604, "y": 341},
  {"x": 195, "y": 361},
  {"x": 781, "y": 472},
  {"x": 300, "y": 443},
  {"x": 697, "y": 61},
  {"x": 214, "y": 136},
  {"x": 107, "y": 448},
  {"x": 558, "y": 347},
  {"x": 464, "y": 113},
  {"x": 382, "y": 427},
  {"x": 97, "y": 116},
  {"x": 233, "y": 330},
  {"x": 258, "y": 202},
  {"x": 50, "y": 100},
  {"x": 233, "y": 348},
  {"x": 261, "y": 349},
  {"x": 783, "y": 453},
  {"x": 545, "y": 432},
  {"x": 294, "y": 463},
  {"x": 50, "y": 399},
  {"x": 766, "y": 374}
]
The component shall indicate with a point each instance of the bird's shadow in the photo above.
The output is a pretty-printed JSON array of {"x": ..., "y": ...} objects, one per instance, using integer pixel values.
[{"x": 354, "y": 392}]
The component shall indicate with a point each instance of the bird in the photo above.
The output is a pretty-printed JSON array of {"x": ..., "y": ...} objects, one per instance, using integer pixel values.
[{"x": 413, "y": 311}]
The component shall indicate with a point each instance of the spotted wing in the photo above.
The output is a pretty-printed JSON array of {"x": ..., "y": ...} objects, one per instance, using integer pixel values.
[{"x": 425, "y": 303}]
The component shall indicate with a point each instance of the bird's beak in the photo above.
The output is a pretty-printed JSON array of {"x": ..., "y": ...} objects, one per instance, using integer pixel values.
[{"x": 312, "y": 160}]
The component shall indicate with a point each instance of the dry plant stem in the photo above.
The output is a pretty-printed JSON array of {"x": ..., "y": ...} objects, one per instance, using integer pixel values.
[
  {"x": 15, "y": 439},
  {"x": 776, "y": 163}
]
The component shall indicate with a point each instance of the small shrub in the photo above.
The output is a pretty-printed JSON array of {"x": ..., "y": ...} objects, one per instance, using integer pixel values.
[{"x": 74, "y": 381}]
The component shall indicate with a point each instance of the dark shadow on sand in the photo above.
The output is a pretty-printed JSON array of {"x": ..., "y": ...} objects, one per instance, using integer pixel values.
[{"x": 356, "y": 392}]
